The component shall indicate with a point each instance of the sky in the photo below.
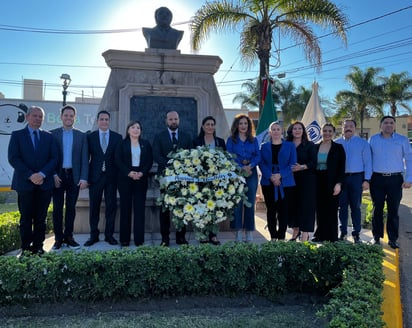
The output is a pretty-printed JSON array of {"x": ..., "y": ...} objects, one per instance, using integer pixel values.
[{"x": 379, "y": 35}]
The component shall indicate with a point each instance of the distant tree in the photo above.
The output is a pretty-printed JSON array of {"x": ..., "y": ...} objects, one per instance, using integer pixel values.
[
  {"x": 397, "y": 92},
  {"x": 367, "y": 95},
  {"x": 259, "y": 19},
  {"x": 248, "y": 98},
  {"x": 289, "y": 100},
  {"x": 297, "y": 105}
]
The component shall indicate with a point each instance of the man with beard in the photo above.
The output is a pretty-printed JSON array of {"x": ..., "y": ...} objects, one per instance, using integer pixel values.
[
  {"x": 164, "y": 142},
  {"x": 358, "y": 171}
]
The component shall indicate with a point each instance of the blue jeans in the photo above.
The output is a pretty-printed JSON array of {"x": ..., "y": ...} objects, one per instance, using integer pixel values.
[
  {"x": 248, "y": 222},
  {"x": 351, "y": 196}
]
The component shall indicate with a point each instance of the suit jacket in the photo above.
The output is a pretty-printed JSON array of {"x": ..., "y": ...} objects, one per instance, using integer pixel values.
[
  {"x": 286, "y": 158},
  {"x": 26, "y": 160},
  {"x": 97, "y": 156},
  {"x": 219, "y": 142},
  {"x": 80, "y": 154},
  {"x": 162, "y": 146},
  {"x": 123, "y": 158},
  {"x": 335, "y": 163}
]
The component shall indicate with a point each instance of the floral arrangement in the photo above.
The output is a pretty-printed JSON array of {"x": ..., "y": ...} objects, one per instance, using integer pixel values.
[{"x": 200, "y": 187}]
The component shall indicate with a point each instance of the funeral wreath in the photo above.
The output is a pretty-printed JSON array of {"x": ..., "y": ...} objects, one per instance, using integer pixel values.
[{"x": 201, "y": 187}]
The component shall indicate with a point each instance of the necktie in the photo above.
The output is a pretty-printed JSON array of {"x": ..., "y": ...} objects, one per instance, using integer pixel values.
[
  {"x": 36, "y": 139},
  {"x": 104, "y": 148},
  {"x": 174, "y": 139},
  {"x": 104, "y": 142}
]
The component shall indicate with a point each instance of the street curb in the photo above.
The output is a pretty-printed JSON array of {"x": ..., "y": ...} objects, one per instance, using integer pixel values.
[{"x": 391, "y": 306}]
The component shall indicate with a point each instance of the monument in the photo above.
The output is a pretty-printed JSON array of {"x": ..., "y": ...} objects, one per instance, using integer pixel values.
[
  {"x": 146, "y": 85},
  {"x": 163, "y": 36}
]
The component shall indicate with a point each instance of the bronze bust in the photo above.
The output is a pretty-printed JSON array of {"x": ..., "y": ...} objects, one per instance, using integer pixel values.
[{"x": 162, "y": 36}]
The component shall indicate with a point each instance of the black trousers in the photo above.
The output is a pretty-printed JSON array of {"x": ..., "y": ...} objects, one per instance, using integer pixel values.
[
  {"x": 276, "y": 211},
  {"x": 71, "y": 190},
  {"x": 108, "y": 187},
  {"x": 389, "y": 189},
  {"x": 326, "y": 209},
  {"x": 33, "y": 206},
  {"x": 132, "y": 195},
  {"x": 165, "y": 227}
]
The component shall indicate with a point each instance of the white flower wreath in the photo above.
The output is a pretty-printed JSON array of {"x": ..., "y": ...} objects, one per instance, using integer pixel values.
[{"x": 200, "y": 187}]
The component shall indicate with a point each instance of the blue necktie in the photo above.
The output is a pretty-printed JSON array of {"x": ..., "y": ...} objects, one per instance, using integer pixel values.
[{"x": 36, "y": 139}]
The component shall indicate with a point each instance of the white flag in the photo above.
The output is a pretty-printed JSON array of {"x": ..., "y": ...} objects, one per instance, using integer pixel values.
[{"x": 314, "y": 118}]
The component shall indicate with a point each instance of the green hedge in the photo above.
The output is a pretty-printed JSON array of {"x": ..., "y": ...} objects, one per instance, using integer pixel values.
[
  {"x": 10, "y": 233},
  {"x": 351, "y": 275}
]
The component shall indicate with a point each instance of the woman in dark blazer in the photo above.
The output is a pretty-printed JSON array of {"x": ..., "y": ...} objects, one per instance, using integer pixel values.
[
  {"x": 134, "y": 160},
  {"x": 276, "y": 159},
  {"x": 302, "y": 203},
  {"x": 207, "y": 136},
  {"x": 330, "y": 174}
]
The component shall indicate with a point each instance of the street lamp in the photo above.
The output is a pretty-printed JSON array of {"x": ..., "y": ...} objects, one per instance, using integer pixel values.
[{"x": 66, "y": 82}]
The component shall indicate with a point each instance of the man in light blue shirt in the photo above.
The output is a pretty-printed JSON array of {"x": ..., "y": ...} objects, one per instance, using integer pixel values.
[
  {"x": 358, "y": 172},
  {"x": 392, "y": 171},
  {"x": 70, "y": 177}
]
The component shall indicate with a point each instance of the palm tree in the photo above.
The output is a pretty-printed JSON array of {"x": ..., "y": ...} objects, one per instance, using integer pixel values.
[
  {"x": 397, "y": 91},
  {"x": 259, "y": 19},
  {"x": 297, "y": 105},
  {"x": 366, "y": 97},
  {"x": 250, "y": 97},
  {"x": 292, "y": 102}
]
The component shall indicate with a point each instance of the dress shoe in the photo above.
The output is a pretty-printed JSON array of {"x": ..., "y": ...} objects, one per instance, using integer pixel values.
[
  {"x": 91, "y": 241},
  {"x": 376, "y": 241},
  {"x": 204, "y": 241},
  {"x": 71, "y": 243},
  {"x": 124, "y": 244},
  {"x": 393, "y": 244},
  {"x": 316, "y": 240},
  {"x": 214, "y": 241},
  {"x": 111, "y": 240},
  {"x": 182, "y": 241},
  {"x": 342, "y": 236},
  {"x": 57, "y": 245},
  {"x": 164, "y": 243},
  {"x": 356, "y": 239}
]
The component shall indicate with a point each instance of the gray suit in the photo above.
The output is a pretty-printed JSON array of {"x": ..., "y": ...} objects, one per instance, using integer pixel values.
[{"x": 70, "y": 178}]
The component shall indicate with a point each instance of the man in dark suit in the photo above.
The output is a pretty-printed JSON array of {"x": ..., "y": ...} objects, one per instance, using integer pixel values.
[
  {"x": 33, "y": 155},
  {"x": 71, "y": 176},
  {"x": 102, "y": 178},
  {"x": 163, "y": 143}
]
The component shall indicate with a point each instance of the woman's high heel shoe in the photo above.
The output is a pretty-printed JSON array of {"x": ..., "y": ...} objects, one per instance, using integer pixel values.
[{"x": 296, "y": 237}]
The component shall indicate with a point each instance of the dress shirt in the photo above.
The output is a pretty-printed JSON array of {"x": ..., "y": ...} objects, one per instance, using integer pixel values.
[
  {"x": 136, "y": 152},
  {"x": 171, "y": 135},
  {"x": 358, "y": 155},
  {"x": 244, "y": 151},
  {"x": 67, "y": 148},
  {"x": 391, "y": 155},
  {"x": 103, "y": 134}
]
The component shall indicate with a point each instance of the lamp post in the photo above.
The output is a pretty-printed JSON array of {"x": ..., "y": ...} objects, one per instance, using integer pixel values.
[{"x": 65, "y": 83}]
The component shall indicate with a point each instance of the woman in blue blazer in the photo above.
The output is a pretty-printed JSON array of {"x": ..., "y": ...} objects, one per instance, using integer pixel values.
[
  {"x": 277, "y": 158},
  {"x": 134, "y": 160}
]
